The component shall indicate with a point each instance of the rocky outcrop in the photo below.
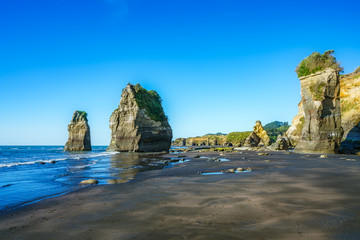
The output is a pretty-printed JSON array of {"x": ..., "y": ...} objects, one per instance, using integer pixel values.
[
  {"x": 180, "y": 142},
  {"x": 207, "y": 140},
  {"x": 139, "y": 124},
  {"x": 350, "y": 112},
  {"x": 258, "y": 137},
  {"x": 320, "y": 95},
  {"x": 295, "y": 130},
  {"x": 79, "y": 133},
  {"x": 350, "y": 115},
  {"x": 282, "y": 143}
]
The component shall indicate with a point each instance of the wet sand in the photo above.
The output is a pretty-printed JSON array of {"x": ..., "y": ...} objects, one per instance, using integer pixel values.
[{"x": 292, "y": 196}]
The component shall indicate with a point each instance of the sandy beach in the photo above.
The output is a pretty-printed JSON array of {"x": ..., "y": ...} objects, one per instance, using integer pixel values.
[{"x": 286, "y": 196}]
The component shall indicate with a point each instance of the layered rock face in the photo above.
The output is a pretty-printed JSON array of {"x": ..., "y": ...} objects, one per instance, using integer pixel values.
[
  {"x": 139, "y": 123},
  {"x": 320, "y": 94},
  {"x": 79, "y": 133},
  {"x": 258, "y": 137}
]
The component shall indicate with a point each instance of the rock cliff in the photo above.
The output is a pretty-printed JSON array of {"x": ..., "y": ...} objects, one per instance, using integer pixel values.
[
  {"x": 258, "y": 137},
  {"x": 139, "y": 124},
  {"x": 350, "y": 115},
  {"x": 79, "y": 133},
  {"x": 350, "y": 112},
  {"x": 320, "y": 94}
]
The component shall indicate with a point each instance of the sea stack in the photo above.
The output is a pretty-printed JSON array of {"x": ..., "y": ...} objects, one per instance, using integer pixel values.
[
  {"x": 258, "y": 137},
  {"x": 320, "y": 96},
  {"x": 139, "y": 124},
  {"x": 79, "y": 133}
]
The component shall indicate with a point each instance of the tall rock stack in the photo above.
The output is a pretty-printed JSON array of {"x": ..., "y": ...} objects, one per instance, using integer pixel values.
[
  {"x": 320, "y": 94},
  {"x": 139, "y": 124},
  {"x": 79, "y": 133},
  {"x": 258, "y": 137}
]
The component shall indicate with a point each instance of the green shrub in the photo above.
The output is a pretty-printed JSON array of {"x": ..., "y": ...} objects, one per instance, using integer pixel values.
[
  {"x": 273, "y": 133},
  {"x": 81, "y": 114},
  {"x": 275, "y": 124},
  {"x": 151, "y": 102},
  {"x": 317, "y": 62}
]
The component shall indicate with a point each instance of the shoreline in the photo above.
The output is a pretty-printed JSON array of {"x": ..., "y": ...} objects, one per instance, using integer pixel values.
[{"x": 286, "y": 196}]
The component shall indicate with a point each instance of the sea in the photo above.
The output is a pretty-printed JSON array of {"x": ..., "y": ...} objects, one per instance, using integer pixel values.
[{"x": 32, "y": 173}]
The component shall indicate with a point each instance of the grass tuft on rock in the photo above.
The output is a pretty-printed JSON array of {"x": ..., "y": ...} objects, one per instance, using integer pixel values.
[
  {"x": 317, "y": 90},
  {"x": 151, "y": 102},
  {"x": 318, "y": 62}
]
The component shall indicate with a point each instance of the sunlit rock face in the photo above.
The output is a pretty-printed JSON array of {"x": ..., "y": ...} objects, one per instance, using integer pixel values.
[
  {"x": 320, "y": 96},
  {"x": 79, "y": 133},
  {"x": 139, "y": 123},
  {"x": 258, "y": 137}
]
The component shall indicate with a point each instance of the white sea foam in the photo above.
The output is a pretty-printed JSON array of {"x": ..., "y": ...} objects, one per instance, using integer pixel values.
[
  {"x": 77, "y": 157},
  {"x": 82, "y": 166},
  {"x": 12, "y": 164}
]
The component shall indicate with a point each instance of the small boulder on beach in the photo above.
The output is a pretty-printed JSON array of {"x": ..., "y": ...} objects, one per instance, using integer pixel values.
[{"x": 89, "y": 182}]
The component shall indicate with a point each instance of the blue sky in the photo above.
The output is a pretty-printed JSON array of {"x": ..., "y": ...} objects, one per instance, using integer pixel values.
[{"x": 218, "y": 65}]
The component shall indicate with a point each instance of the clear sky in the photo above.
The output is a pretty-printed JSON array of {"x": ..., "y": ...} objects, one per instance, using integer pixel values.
[{"x": 219, "y": 65}]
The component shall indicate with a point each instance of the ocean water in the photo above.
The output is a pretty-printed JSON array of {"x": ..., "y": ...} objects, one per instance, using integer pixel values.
[{"x": 23, "y": 179}]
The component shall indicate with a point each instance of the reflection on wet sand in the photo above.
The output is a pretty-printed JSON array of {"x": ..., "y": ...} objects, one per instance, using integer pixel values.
[{"x": 127, "y": 165}]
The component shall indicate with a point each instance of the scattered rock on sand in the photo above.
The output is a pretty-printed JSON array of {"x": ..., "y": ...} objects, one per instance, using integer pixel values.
[
  {"x": 197, "y": 156},
  {"x": 262, "y": 154},
  {"x": 267, "y": 160},
  {"x": 89, "y": 182},
  {"x": 214, "y": 160},
  {"x": 239, "y": 169},
  {"x": 323, "y": 156}
]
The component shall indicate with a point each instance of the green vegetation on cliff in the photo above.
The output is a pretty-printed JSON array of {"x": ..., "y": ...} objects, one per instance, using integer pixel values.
[
  {"x": 80, "y": 114},
  {"x": 236, "y": 138},
  {"x": 273, "y": 133},
  {"x": 215, "y": 134},
  {"x": 151, "y": 102},
  {"x": 317, "y": 91},
  {"x": 317, "y": 62},
  {"x": 275, "y": 124}
]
